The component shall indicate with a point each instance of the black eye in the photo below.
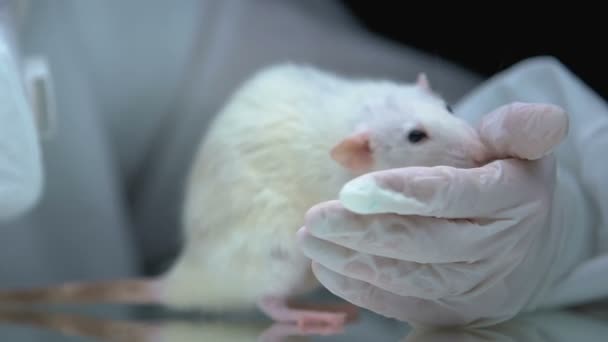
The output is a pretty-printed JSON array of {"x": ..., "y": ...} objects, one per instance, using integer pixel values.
[
  {"x": 416, "y": 136},
  {"x": 449, "y": 108}
]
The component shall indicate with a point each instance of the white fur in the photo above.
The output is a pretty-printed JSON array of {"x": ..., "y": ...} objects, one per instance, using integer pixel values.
[{"x": 265, "y": 161}]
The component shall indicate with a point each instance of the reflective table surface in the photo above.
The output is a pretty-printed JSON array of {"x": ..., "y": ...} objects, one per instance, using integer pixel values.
[{"x": 139, "y": 324}]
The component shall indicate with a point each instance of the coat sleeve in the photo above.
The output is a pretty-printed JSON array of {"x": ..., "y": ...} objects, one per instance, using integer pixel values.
[{"x": 20, "y": 157}]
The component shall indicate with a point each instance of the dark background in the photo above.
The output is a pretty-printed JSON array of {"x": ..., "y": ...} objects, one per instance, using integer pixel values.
[{"x": 487, "y": 42}]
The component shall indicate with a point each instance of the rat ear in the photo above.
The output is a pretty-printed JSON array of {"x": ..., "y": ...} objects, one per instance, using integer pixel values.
[
  {"x": 422, "y": 81},
  {"x": 354, "y": 152}
]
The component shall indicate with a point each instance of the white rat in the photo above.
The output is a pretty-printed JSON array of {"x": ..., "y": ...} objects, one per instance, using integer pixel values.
[{"x": 288, "y": 139}]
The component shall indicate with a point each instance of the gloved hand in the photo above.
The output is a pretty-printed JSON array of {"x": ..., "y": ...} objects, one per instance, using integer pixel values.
[{"x": 447, "y": 246}]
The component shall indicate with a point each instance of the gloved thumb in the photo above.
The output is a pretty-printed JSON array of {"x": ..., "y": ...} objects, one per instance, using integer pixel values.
[{"x": 523, "y": 130}]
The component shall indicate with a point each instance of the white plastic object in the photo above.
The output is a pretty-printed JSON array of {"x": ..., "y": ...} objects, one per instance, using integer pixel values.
[{"x": 39, "y": 86}]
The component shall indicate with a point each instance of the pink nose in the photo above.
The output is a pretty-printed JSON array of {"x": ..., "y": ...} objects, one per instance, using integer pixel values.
[{"x": 480, "y": 155}]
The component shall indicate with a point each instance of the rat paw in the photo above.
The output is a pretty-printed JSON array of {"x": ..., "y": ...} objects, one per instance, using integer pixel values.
[
  {"x": 314, "y": 318},
  {"x": 321, "y": 322},
  {"x": 351, "y": 311}
]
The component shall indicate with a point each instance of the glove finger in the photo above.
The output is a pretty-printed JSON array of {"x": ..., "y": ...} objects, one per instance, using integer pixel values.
[
  {"x": 493, "y": 190},
  {"x": 404, "y": 278},
  {"x": 413, "y": 238},
  {"x": 523, "y": 130},
  {"x": 409, "y": 309}
]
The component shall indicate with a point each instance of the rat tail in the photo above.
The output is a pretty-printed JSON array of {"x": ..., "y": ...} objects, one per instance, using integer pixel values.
[{"x": 127, "y": 291}]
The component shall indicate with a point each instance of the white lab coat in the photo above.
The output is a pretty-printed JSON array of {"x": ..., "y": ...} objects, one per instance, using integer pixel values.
[
  {"x": 20, "y": 161},
  {"x": 137, "y": 81},
  {"x": 135, "y": 84}
]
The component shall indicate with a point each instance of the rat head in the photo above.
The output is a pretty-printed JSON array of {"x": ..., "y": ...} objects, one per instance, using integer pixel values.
[{"x": 407, "y": 125}]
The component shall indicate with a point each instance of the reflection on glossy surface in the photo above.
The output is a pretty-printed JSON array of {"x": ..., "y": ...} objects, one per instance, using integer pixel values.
[
  {"x": 558, "y": 326},
  {"x": 74, "y": 325},
  {"x": 555, "y": 326},
  {"x": 78, "y": 327},
  {"x": 108, "y": 330}
]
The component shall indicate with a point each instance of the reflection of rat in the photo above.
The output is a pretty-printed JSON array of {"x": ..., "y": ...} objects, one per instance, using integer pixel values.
[
  {"x": 165, "y": 330},
  {"x": 290, "y": 138}
]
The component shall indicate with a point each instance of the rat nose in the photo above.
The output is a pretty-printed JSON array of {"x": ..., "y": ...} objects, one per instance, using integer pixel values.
[
  {"x": 479, "y": 153},
  {"x": 472, "y": 152},
  {"x": 475, "y": 150}
]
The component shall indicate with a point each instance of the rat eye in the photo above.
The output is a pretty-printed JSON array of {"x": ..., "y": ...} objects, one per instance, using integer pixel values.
[
  {"x": 449, "y": 108},
  {"x": 416, "y": 136}
]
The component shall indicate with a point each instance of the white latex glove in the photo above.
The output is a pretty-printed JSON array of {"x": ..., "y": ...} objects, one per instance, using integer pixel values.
[
  {"x": 447, "y": 246},
  {"x": 581, "y": 173}
]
